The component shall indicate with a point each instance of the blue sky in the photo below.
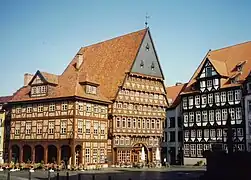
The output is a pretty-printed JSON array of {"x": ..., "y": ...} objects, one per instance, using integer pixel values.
[{"x": 46, "y": 34}]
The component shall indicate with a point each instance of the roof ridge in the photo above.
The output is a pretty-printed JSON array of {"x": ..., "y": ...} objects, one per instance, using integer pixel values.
[
  {"x": 231, "y": 46},
  {"x": 120, "y": 36}
]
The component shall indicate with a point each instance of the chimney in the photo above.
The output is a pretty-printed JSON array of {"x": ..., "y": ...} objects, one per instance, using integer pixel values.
[
  {"x": 79, "y": 61},
  {"x": 178, "y": 83},
  {"x": 27, "y": 78}
]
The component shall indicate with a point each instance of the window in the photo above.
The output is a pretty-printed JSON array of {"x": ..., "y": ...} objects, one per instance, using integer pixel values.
[
  {"x": 249, "y": 106},
  {"x": 87, "y": 155},
  {"x": 219, "y": 133},
  {"x": 179, "y": 122},
  {"x": 212, "y": 133},
  {"x": 128, "y": 123},
  {"x": 239, "y": 132},
  {"x": 134, "y": 123},
  {"x": 153, "y": 124},
  {"x": 230, "y": 96},
  {"x": 241, "y": 147},
  {"x": 199, "y": 150},
  {"x": 87, "y": 127},
  {"x": 123, "y": 122},
  {"x": 102, "y": 129},
  {"x": 52, "y": 107},
  {"x": 148, "y": 123},
  {"x": 63, "y": 127},
  {"x": 210, "y": 98},
  {"x": 102, "y": 155},
  {"x": 193, "y": 149},
  {"x": 209, "y": 83},
  {"x": 224, "y": 114},
  {"x": 186, "y": 150},
  {"x": 172, "y": 136},
  {"x": 216, "y": 82},
  {"x": 204, "y": 99},
  {"x": 199, "y": 133},
  {"x": 218, "y": 115},
  {"x": 28, "y": 128},
  {"x": 121, "y": 141},
  {"x": 143, "y": 124},
  {"x": 139, "y": 123},
  {"x": 88, "y": 108},
  {"x": 64, "y": 106},
  {"x": 197, "y": 100},
  {"x": 29, "y": 109},
  {"x": 191, "y": 117},
  {"x": 96, "y": 109},
  {"x": 217, "y": 97},
  {"x": 187, "y": 133},
  {"x": 223, "y": 96},
  {"x": 209, "y": 71},
  {"x": 172, "y": 122},
  {"x": 116, "y": 141},
  {"x": 17, "y": 130},
  {"x": 193, "y": 133},
  {"x": 204, "y": 116},
  {"x": 211, "y": 116},
  {"x": 80, "y": 126},
  {"x": 118, "y": 122},
  {"x": 237, "y": 96},
  {"x": 51, "y": 127},
  {"x": 95, "y": 128},
  {"x": 91, "y": 89},
  {"x": 142, "y": 63},
  {"x": 40, "y": 108},
  {"x": 158, "y": 124},
  {"x": 190, "y": 101},
  {"x": 184, "y": 102},
  {"x": 202, "y": 84},
  {"x": 206, "y": 133},
  {"x": 232, "y": 113},
  {"x": 198, "y": 117},
  {"x": 206, "y": 147},
  {"x": 238, "y": 113},
  {"x": 185, "y": 118}
]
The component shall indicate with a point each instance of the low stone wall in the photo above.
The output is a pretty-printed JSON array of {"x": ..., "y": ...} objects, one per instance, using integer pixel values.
[{"x": 193, "y": 161}]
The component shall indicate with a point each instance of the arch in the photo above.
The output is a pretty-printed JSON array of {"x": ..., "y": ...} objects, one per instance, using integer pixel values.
[
  {"x": 65, "y": 152},
  {"x": 78, "y": 154},
  {"x": 52, "y": 154},
  {"x": 15, "y": 153},
  {"x": 39, "y": 153},
  {"x": 26, "y": 153},
  {"x": 137, "y": 152}
]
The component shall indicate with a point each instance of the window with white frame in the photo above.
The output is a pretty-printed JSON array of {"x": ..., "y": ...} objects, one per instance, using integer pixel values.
[
  {"x": 51, "y": 127},
  {"x": 116, "y": 141},
  {"x": 129, "y": 123},
  {"x": 40, "y": 108},
  {"x": 80, "y": 126},
  {"x": 239, "y": 132},
  {"x": 28, "y": 128},
  {"x": 184, "y": 102},
  {"x": 232, "y": 113},
  {"x": 198, "y": 117},
  {"x": 153, "y": 124},
  {"x": 123, "y": 122},
  {"x": 193, "y": 149},
  {"x": 197, "y": 100},
  {"x": 18, "y": 110},
  {"x": 52, "y": 107},
  {"x": 185, "y": 118},
  {"x": 211, "y": 116},
  {"x": 209, "y": 83},
  {"x": 88, "y": 108},
  {"x": 87, "y": 155},
  {"x": 210, "y": 98},
  {"x": 119, "y": 105},
  {"x": 217, "y": 97},
  {"x": 193, "y": 134},
  {"x": 212, "y": 133},
  {"x": 206, "y": 147},
  {"x": 187, "y": 133},
  {"x": 95, "y": 155},
  {"x": 219, "y": 133},
  {"x": 241, "y": 147},
  {"x": 80, "y": 107},
  {"x": 29, "y": 109},
  {"x": 139, "y": 123},
  {"x": 91, "y": 89},
  {"x": 186, "y": 150},
  {"x": 204, "y": 116},
  {"x": 218, "y": 114},
  {"x": 199, "y": 150},
  {"x": 191, "y": 117},
  {"x": 216, "y": 82},
  {"x": 122, "y": 141},
  {"x": 190, "y": 101},
  {"x": 199, "y": 133},
  {"x": 158, "y": 124},
  {"x": 143, "y": 124},
  {"x": 87, "y": 127},
  {"x": 223, "y": 96},
  {"x": 118, "y": 122},
  {"x": 238, "y": 113},
  {"x": 230, "y": 96},
  {"x": 39, "y": 128},
  {"x": 96, "y": 109},
  {"x": 134, "y": 123},
  {"x": 234, "y": 131},
  {"x": 102, "y": 155},
  {"x": 102, "y": 129},
  {"x": 206, "y": 133},
  {"x": 202, "y": 84},
  {"x": 237, "y": 96},
  {"x": 148, "y": 123},
  {"x": 95, "y": 128},
  {"x": 63, "y": 127},
  {"x": 204, "y": 99},
  {"x": 64, "y": 106},
  {"x": 224, "y": 114}
]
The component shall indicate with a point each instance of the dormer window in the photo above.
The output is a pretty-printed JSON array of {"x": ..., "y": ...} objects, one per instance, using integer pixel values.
[
  {"x": 37, "y": 91},
  {"x": 91, "y": 89},
  {"x": 141, "y": 63},
  {"x": 239, "y": 66},
  {"x": 209, "y": 71}
]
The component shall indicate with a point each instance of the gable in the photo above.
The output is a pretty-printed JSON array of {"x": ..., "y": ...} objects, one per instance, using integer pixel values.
[
  {"x": 207, "y": 70},
  {"x": 146, "y": 61},
  {"x": 37, "y": 79}
]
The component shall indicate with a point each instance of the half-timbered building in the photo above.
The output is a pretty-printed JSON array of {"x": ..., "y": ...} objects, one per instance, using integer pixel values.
[
  {"x": 215, "y": 90},
  {"x": 107, "y": 104}
]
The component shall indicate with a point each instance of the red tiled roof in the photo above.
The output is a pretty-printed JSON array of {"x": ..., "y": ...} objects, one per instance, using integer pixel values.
[
  {"x": 104, "y": 63},
  {"x": 5, "y": 99},
  {"x": 225, "y": 61},
  {"x": 173, "y": 94}
]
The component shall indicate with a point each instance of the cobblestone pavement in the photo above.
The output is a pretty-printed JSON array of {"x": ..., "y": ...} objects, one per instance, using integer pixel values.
[{"x": 115, "y": 174}]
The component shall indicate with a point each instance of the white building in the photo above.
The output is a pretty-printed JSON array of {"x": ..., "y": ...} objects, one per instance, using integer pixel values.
[
  {"x": 247, "y": 103},
  {"x": 173, "y": 135}
]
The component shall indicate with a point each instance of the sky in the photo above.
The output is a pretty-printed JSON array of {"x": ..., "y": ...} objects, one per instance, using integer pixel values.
[{"x": 45, "y": 35}]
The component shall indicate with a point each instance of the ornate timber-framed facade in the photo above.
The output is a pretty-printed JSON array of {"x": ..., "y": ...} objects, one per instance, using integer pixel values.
[
  {"x": 214, "y": 91},
  {"x": 109, "y": 102}
]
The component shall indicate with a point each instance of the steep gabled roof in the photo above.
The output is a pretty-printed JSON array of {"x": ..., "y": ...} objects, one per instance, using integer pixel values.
[
  {"x": 105, "y": 63},
  {"x": 225, "y": 61},
  {"x": 173, "y": 93}
]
